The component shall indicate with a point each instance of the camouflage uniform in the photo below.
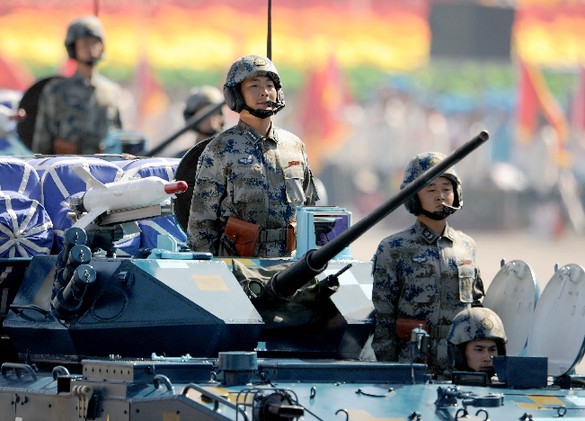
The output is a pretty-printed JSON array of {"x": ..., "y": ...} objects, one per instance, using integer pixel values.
[
  {"x": 424, "y": 276},
  {"x": 75, "y": 109},
  {"x": 78, "y": 110},
  {"x": 254, "y": 178},
  {"x": 244, "y": 174}
]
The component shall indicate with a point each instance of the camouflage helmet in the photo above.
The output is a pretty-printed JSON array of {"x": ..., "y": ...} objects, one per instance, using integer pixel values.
[
  {"x": 420, "y": 164},
  {"x": 244, "y": 68},
  {"x": 476, "y": 323},
  {"x": 201, "y": 97},
  {"x": 86, "y": 26}
]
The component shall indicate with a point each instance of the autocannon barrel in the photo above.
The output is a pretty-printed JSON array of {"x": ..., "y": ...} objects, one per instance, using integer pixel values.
[{"x": 315, "y": 261}]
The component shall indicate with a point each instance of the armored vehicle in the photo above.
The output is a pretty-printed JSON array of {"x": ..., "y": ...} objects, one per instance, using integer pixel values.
[{"x": 107, "y": 315}]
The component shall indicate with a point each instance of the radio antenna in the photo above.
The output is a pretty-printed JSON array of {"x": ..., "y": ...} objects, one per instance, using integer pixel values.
[{"x": 269, "y": 40}]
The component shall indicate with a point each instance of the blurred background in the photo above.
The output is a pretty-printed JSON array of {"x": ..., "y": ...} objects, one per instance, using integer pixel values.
[{"x": 368, "y": 84}]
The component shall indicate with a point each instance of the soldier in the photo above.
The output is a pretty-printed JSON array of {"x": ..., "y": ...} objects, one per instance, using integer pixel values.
[
  {"x": 201, "y": 101},
  {"x": 251, "y": 177},
  {"x": 77, "y": 114},
  {"x": 426, "y": 274},
  {"x": 475, "y": 336}
]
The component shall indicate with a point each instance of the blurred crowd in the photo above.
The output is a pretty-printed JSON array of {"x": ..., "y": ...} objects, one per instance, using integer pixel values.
[{"x": 509, "y": 185}]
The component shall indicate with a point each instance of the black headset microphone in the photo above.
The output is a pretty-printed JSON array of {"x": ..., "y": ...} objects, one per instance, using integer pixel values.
[
  {"x": 276, "y": 106},
  {"x": 262, "y": 113}
]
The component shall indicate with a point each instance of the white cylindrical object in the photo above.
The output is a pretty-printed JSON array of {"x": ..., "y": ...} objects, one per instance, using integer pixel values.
[{"x": 131, "y": 194}]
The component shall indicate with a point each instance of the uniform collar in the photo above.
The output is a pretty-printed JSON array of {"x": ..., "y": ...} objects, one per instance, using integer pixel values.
[
  {"x": 253, "y": 135},
  {"x": 429, "y": 235}
]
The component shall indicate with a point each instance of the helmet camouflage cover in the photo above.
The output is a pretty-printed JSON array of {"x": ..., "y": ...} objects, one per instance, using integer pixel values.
[
  {"x": 419, "y": 165},
  {"x": 476, "y": 323},
  {"x": 244, "y": 68},
  {"x": 86, "y": 26}
]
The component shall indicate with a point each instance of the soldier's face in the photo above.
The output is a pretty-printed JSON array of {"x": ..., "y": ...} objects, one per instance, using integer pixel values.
[
  {"x": 437, "y": 194},
  {"x": 479, "y": 354},
  {"x": 212, "y": 125},
  {"x": 257, "y": 90},
  {"x": 88, "y": 49}
]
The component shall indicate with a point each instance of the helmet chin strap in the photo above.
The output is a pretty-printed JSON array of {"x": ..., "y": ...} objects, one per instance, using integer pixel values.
[
  {"x": 90, "y": 63},
  {"x": 439, "y": 216},
  {"x": 259, "y": 113},
  {"x": 274, "y": 108}
]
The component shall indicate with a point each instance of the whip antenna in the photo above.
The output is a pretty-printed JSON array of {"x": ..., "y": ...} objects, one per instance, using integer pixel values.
[{"x": 269, "y": 40}]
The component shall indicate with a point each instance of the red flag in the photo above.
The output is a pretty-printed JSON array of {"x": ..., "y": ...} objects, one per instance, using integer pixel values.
[
  {"x": 323, "y": 128},
  {"x": 527, "y": 111},
  {"x": 535, "y": 96},
  {"x": 151, "y": 98}
]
